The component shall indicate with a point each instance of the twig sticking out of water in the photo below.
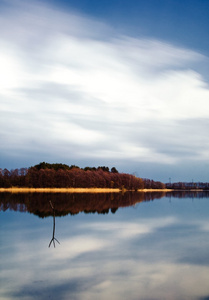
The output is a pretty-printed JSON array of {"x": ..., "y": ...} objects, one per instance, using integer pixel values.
[{"x": 53, "y": 234}]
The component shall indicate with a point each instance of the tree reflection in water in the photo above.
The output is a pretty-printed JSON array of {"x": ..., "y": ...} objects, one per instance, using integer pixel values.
[
  {"x": 72, "y": 203},
  {"x": 42, "y": 204}
]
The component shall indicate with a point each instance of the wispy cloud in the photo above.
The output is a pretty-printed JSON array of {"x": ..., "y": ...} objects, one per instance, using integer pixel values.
[{"x": 72, "y": 87}]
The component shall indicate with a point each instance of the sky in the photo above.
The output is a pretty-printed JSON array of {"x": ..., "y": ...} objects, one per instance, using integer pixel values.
[{"x": 115, "y": 83}]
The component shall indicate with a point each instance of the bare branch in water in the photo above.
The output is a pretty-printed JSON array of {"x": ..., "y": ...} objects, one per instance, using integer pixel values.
[{"x": 53, "y": 234}]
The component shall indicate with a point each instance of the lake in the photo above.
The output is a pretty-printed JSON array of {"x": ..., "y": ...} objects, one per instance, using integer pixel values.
[{"x": 143, "y": 246}]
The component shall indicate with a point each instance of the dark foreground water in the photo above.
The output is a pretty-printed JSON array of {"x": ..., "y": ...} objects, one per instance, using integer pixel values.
[{"x": 132, "y": 246}]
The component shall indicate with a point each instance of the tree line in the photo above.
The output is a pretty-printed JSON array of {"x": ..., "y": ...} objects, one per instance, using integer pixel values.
[
  {"x": 188, "y": 185},
  {"x": 63, "y": 176}
]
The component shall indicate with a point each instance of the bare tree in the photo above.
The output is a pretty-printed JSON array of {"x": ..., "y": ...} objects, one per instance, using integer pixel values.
[{"x": 53, "y": 233}]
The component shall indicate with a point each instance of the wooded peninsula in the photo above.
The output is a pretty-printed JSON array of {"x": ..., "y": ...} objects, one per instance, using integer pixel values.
[{"x": 57, "y": 176}]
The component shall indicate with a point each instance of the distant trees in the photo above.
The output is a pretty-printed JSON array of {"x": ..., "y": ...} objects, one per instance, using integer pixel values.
[
  {"x": 151, "y": 184},
  {"x": 188, "y": 185},
  {"x": 64, "y": 176}
]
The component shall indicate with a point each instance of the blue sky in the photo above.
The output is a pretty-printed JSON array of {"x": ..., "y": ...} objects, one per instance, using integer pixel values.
[{"x": 115, "y": 83}]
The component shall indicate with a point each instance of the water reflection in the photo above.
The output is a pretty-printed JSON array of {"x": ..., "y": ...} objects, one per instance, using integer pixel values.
[
  {"x": 149, "y": 250},
  {"x": 39, "y": 203}
]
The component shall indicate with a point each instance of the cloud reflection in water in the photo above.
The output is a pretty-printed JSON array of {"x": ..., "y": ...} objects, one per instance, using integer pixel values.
[{"x": 127, "y": 255}]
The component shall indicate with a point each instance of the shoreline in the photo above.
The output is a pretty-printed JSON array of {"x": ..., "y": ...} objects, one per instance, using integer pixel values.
[
  {"x": 87, "y": 190},
  {"x": 74, "y": 190}
]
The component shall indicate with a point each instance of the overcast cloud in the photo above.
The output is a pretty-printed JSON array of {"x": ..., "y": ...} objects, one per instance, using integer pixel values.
[{"x": 74, "y": 90}]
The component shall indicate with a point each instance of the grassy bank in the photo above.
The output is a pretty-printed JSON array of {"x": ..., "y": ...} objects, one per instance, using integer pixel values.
[
  {"x": 58, "y": 190},
  {"x": 72, "y": 190}
]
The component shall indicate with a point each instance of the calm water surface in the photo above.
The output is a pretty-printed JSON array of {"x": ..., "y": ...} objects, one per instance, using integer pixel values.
[{"x": 104, "y": 246}]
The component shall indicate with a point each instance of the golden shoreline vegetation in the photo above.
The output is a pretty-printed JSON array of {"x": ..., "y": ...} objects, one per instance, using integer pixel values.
[{"x": 74, "y": 190}]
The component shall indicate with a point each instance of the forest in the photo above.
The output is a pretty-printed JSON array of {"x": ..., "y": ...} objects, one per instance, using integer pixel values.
[{"x": 46, "y": 175}]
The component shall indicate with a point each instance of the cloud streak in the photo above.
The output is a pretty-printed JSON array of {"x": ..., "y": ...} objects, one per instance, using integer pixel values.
[{"x": 75, "y": 89}]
